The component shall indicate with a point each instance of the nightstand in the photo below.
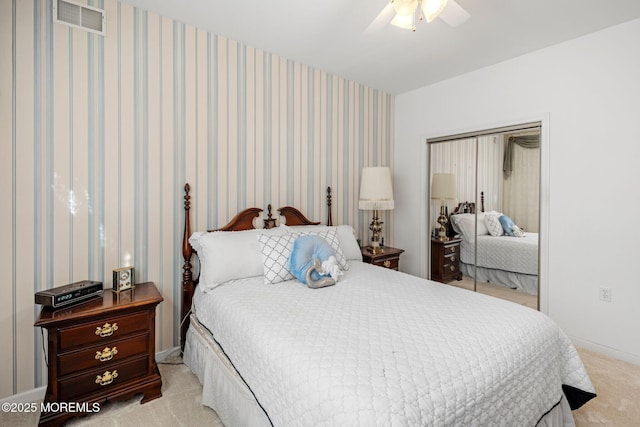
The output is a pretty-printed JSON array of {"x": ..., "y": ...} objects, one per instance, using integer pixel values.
[
  {"x": 389, "y": 258},
  {"x": 445, "y": 260},
  {"x": 102, "y": 350}
]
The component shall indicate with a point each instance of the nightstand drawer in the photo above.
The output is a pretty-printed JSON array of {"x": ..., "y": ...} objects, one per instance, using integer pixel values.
[
  {"x": 388, "y": 258},
  {"x": 391, "y": 263},
  {"x": 99, "y": 380},
  {"x": 451, "y": 259},
  {"x": 102, "y": 331},
  {"x": 451, "y": 268},
  {"x": 451, "y": 249},
  {"x": 103, "y": 354}
]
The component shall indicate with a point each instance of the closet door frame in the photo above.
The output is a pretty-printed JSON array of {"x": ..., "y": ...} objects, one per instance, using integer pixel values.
[{"x": 497, "y": 127}]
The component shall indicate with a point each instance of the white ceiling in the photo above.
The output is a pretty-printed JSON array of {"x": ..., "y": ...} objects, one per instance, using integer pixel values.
[{"x": 330, "y": 34}]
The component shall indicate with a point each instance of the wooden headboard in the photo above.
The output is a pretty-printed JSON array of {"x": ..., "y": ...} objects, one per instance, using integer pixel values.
[
  {"x": 463, "y": 207},
  {"x": 242, "y": 221}
]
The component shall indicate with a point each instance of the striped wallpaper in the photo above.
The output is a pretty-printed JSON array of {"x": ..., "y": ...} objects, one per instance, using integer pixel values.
[{"x": 99, "y": 135}]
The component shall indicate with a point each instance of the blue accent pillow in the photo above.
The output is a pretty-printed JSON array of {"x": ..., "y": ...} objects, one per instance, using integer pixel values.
[
  {"x": 507, "y": 225},
  {"x": 305, "y": 250}
]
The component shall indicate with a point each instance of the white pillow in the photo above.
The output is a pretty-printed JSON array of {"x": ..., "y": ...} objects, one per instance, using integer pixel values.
[
  {"x": 465, "y": 224},
  {"x": 276, "y": 251},
  {"x": 228, "y": 255},
  {"x": 493, "y": 224},
  {"x": 349, "y": 243},
  {"x": 346, "y": 234}
]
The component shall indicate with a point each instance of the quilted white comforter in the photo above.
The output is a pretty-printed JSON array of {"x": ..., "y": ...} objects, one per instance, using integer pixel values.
[
  {"x": 386, "y": 348},
  {"x": 508, "y": 253}
]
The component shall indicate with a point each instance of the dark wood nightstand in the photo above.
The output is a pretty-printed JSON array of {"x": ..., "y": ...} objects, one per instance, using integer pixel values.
[
  {"x": 102, "y": 350},
  {"x": 445, "y": 260},
  {"x": 389, "y": 258}
]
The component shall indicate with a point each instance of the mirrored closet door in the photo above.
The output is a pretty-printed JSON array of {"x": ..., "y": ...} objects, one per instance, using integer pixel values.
[{"x": 484, "y": 212}]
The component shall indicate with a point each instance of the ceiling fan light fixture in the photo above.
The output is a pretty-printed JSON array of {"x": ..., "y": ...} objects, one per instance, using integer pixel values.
[
  {"x": 407, "y": 12},
  {"x": 433, "y": 8},
  {"x": 404, "y": 7},
  {"x": 403, "y": 21}
]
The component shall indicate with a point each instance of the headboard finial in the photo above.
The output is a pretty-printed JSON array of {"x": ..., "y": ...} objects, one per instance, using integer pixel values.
[
  {"x": 187, "y": 197},
  {"x": 269, "y": 221},
  {"x": 329, "y": 219}
]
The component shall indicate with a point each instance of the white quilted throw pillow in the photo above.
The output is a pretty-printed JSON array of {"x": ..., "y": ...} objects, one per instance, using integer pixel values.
[
  {"x": 493, "y": 224},
  {"x": 276, "y": 251}
]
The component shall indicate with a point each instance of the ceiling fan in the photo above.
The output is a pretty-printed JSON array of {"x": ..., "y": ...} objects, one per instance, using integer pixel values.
[{"x": 407, "y": 12}]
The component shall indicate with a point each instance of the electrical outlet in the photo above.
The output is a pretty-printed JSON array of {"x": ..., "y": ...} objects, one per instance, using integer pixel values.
[{"x": 605, "y": 294}]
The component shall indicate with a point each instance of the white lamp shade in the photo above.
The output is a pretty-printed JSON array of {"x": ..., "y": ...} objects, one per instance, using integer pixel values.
[
  {"x": 443, "y": 186},
  {"x": 376, "y": 189}
]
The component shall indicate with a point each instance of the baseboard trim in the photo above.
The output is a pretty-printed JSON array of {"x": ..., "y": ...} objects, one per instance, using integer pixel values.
[
  {"x": 168, "y": 353},
  {"x": 607, "y": 351},
  {"x": 36, "y": 394}
]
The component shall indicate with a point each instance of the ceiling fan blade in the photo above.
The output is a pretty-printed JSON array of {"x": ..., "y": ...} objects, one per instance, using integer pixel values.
[
  {"x": 380, "y": 21},
  {"x": 454, "y": 14}
]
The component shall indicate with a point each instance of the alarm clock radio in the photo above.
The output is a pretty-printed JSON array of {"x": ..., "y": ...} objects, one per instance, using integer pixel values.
[{"x": 68, "y": 294}]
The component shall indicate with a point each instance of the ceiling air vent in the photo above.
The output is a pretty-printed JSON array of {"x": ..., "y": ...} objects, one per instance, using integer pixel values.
[{"x": 79, "y": 16}]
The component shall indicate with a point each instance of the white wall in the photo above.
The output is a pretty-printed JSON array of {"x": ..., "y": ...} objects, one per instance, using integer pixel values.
[{"x": 589, "y": 88}]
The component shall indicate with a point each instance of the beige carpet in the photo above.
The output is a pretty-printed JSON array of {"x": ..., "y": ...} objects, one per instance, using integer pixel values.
[
  {"x": 617, "y": 384},
  {"x": 498, "y": 291}
]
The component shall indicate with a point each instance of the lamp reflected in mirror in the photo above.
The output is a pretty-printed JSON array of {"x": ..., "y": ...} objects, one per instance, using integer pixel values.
[{"x": 443, "y": 187}]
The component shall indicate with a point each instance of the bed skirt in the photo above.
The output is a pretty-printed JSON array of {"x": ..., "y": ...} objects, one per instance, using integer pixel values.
[
  {"x": 526, "y": 283},
  {"x": 224, "y": 391}
]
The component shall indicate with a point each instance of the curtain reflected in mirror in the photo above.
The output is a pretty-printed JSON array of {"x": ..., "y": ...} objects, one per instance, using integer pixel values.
[{"x": 493, "y": 221}]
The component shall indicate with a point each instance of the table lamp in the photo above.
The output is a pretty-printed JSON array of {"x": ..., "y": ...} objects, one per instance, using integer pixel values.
[{"x": 376, "y": 193}]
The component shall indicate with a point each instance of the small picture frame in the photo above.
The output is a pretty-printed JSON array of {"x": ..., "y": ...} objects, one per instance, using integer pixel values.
[{"x": 123, "y": 279}]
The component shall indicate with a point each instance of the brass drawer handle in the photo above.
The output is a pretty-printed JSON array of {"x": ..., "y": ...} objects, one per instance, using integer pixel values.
[
  {"x": 106, "y": 378},
  {"x": 106, "y": 354},
  {"x": 453, "y": 258},
  {"x": 452, "y": 267},
  {"x": 387, "y": 263},
  {"x": 106, "y": 330}
]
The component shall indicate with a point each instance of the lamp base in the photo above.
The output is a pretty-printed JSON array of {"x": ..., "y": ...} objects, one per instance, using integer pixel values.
[
  {"x": 442, "y": 236},
  {"x": 442, "y": 220},
  {"x": 376, "y": 228}
]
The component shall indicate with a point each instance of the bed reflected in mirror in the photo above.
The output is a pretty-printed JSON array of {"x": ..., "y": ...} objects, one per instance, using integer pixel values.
[{"x": 493, "y": 221}]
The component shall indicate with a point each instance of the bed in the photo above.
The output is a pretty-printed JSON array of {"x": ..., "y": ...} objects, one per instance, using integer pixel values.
[
  {"x": 379, "y": 348},
  {"x": 494, "y": 257}
]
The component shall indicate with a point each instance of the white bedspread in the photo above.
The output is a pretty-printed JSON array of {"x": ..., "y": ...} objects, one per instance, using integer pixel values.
[
  {"x": 386, "y": 348},
  {"x": 508, "y": 253}
]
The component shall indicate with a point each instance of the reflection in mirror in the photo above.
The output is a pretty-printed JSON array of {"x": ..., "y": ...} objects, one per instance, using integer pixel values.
[
  {"x": 494, "y": 220},
  {"x": 456, "y": 158}
]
